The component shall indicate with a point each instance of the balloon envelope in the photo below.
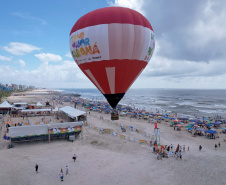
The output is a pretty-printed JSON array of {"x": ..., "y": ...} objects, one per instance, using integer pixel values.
[{"x": 112, "y": 46}]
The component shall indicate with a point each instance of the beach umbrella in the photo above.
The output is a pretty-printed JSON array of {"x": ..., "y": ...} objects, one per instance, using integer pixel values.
[
  {"x": 211, "y": 131},
  {"x": 112, "y": 46},
  {"x": 217, "y": 123},
  {"x": 200, "y": 129},
  {"x": 223, "y": 128},
  {"x": 193, "y": 120}
]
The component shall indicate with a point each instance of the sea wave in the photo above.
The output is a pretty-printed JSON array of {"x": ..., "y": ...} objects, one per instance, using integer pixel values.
[{"x": 183, "y": 101}]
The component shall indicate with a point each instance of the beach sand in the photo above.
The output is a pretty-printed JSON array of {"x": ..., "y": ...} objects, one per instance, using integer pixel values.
[{"x": 106, "y": 159}]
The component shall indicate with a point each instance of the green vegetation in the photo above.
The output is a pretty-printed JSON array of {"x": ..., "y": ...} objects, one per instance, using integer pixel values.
[{"x": 4, "y": 94}]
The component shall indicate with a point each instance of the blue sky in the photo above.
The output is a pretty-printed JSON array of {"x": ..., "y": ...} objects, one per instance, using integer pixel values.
[{"x": 190, "y": 42}]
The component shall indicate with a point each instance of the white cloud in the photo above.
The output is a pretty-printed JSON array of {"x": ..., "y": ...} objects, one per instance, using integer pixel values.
[
  {"x": 3, "y": 58},
  {"x": 48, "y": 57},
  {"x": 68, "y": 54},
  {"x": 162, "y": 72},
  {"x": 18, "y": 48},
  {"x": 64, "y": 74},
  {"x": 21, "y": 62},
  {"x": 209, "y": 27},
  {"x": 132, "y": 4},
  {"x": 189, "y": 30},
  {"x": 29, "y": 17}
]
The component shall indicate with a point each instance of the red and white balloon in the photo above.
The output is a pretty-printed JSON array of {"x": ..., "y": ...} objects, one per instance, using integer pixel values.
[{"x": 112, "y": 46}]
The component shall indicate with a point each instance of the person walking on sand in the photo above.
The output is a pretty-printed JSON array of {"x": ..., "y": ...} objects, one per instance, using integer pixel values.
[
  {"x": 36, "y": 168},
  {"x": 61, "y": 176},
  {"x": 219, "y": 144},
  {"x": 157, "y": 156},
  {"x": 66, "y": 170},
  {"x": 215, "y": 146},
  {"x": 74, "y": 157},
  {"x": 188, "y": 148},
  {"x": 200, "y": 147}
]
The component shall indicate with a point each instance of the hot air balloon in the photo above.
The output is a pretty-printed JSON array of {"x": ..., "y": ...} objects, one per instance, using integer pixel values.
[{"x": 112, "y": 46}]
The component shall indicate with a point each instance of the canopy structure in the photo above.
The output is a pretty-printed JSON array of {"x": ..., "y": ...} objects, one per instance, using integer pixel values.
[
  {"x": 20, "y": 105},
  {"x": 36, "y": 110},
  {"x": 200, "y": 129},
  {"x": 6, "y": 105},
  {"x": 39, "y": 104},
  {"x": 216, "y": 123},
  {"x": 72, "y": 112},
  {"x": 211, "y": 131}
]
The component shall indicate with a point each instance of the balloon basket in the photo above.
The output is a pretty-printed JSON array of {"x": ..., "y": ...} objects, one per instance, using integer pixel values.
[{"x": 114, "y": 116}]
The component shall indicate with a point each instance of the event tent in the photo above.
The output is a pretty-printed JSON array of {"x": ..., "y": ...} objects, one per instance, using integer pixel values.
[
  {"x": 39, "y": 105},
  {"x": 5, "y": 107},
  {"x": 5, "y": 104},
  {"x": 72, "y": 112},
  {"x": 36, "y": 110}
]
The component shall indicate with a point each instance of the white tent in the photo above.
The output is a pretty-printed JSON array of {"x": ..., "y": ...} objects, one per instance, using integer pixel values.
[
  {"x": 36, "y": 110},
  {"x": 5, "y": 104},
  {"x": 39, "y": 104},
  {"x": 72, "y": 112},
  {"x": 56, "y": 109}
]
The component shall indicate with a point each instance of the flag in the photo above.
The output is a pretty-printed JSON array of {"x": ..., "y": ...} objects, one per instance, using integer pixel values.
[
  {"x": 156, "y": 125},
  {"x": 132, "y": 139},
  {"x": 143, "y": 141}
]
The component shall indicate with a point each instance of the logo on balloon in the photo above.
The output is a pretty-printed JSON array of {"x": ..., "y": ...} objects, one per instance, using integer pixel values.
[
  {"x": 81, "y": 47},
  {"x": 150, "y": 49}
]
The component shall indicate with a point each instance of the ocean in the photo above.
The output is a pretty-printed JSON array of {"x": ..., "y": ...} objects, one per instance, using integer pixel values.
[{"x": 184, "y": 102}]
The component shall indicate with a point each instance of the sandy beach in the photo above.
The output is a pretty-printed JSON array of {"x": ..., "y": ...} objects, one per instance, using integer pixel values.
[{"x": 106, "y": 159}]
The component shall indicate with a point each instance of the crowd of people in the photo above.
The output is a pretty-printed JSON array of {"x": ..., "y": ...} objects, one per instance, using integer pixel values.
[{"x": 167, "y": 150}]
